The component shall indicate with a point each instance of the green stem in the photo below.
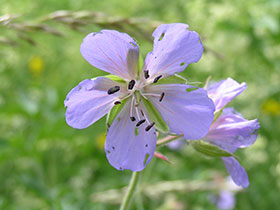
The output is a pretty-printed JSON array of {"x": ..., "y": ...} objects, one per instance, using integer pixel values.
[
  {"x": 167, "y": 140},
  {"x": 130, "y": 191},
  {"x": 135, "y": 176}
]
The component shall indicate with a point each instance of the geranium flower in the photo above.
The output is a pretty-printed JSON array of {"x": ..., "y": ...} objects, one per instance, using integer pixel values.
[
  {"x": 131, "y": 138},
  {"x": 231, "y": 131},
  {"x": 225, "y": 199}
]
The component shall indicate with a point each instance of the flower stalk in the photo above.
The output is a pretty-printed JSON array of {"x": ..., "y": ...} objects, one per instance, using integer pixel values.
[
  {"x": 130, "y": 191},
  {"x": 168, "y": 139},
  {"x": 136, "y": 175}
]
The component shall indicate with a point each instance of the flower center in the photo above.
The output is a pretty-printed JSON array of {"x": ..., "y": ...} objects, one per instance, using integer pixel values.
[{"x": 136, "y": 91}]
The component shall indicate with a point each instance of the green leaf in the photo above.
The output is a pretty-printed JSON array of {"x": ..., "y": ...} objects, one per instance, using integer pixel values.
[
  {"x": 191, "y": 89},
  {"x": 140, "y": 64},
  {"x": 210, "y": 150},
  {"x": 115, "y": 78},
  {"x": 155, "y": 116},
  {"x": 113, "y": 113},
  {"x": 217, "y": 114},
  {"x": 207, "y": 82}
]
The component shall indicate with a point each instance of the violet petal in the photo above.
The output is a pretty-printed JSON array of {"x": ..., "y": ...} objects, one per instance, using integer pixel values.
[
  {"x": 186, "y": 110},
  {"x": 111, "y": 51},
  {"x": 175, "y": 47},
  {"x": 88, "y": 102},
  {"x": 236, "y": 171},
  {"x": 224, "y": 91},
  {"x": 231, "y": 131},
  {"x": 128, "y": 146}
]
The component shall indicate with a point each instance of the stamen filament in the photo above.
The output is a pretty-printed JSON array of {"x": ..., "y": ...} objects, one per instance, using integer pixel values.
[
  {"x": 151, "y": 94},
  {"x": 148, "y": 83},
  {"x": 131, "y": 109},
  {"x": 144, "y": 115},
  {"x": 137, "y": 112},
  {"x": 143, "y": 95},
  {"x": 126, "y": 96}
]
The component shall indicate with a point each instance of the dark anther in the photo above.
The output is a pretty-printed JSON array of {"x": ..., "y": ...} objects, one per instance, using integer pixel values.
[
  {"x": 117, "y": 102},
  {"x": 131, "y": 84},
  {"x": 113, "y": 90},
  {"x": 157, "y": 78},
  {"x": 140, "y": 122},
  {"x": 142, "y": 112},
  {"x": 146, "y": 145},
  {"x": 149, "y": 126},
  {"x": 132, "y": 119},
  {"x": 146, "y": 74},
  {"x": 161, "y": 97},
  {"x": 113, "y": 148}
]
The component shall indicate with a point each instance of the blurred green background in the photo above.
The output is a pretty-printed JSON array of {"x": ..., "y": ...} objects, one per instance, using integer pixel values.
[{"x": 45, "y": 164}]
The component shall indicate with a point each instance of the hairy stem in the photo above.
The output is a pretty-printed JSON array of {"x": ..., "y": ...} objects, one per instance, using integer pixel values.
[
  {"x": 130, "y": 191},
  {"x": 167, "y": 140}
]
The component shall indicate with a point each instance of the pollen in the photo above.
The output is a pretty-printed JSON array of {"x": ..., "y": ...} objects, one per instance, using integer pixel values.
[
  {"x": 157, "y": 78},
  {"x": 131, "y": 84},
  {"x": 140, "y": 122},
  {"x": 113, "y": 90},
  {"x": 161, "y": 97},
  {"x": 146, "y": 74},
  {"x": 149, "y": 126}
]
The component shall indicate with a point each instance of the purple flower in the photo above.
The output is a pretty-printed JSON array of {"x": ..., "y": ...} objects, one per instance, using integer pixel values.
[
  {"x": 231, "y": 131},
  {"x": 226, "y": 200},
  {"x": 176, "y": 145},
  {"x": 131, "y": 139},
  {"x": 224, "y": 91}
]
